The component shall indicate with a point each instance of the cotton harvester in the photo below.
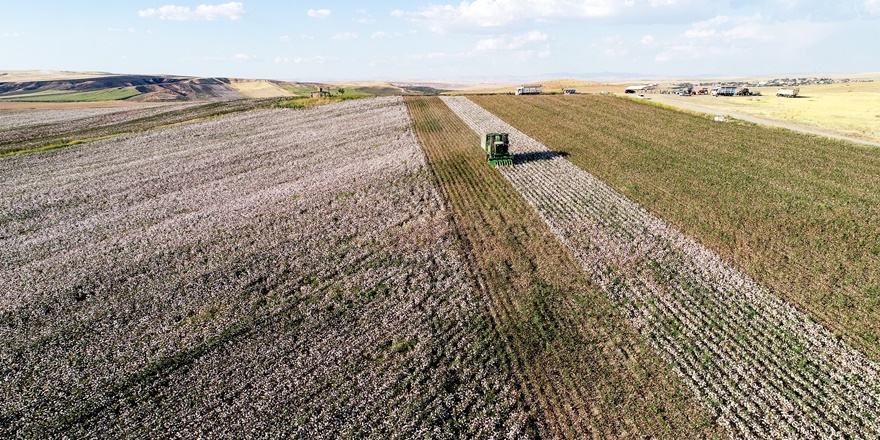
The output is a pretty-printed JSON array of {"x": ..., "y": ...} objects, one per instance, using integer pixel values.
[{"x": 497, "y": 149}]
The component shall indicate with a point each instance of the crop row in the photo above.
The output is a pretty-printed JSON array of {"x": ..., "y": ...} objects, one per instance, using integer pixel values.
[
  {"x": 33, "y": 118},
  {"x": 764, "y": 368},
  {"x": 271, "y": 273},
  {"x": 583, "y": 369},
  {"x": 798, "y": 213},
  {"x": 73, "y": 131}
]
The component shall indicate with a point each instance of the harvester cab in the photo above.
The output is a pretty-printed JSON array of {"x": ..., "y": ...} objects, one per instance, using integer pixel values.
[{"x": 497, "y": 149}]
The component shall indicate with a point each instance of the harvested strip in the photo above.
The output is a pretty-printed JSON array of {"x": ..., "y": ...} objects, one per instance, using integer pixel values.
[
  {"x": 583, "y": 368},
  {"x": 764, "y": 368}
]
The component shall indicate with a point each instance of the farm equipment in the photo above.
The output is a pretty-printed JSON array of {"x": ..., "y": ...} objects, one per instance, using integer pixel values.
[
  {"x": 497, "y": 149},
  {"x": 724, "y": 91},
  {"x": 529, "y": 90},
  {"x": 788, "y": 93}
]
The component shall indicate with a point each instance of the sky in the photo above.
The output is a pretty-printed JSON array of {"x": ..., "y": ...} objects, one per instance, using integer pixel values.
[{"x": 478, "y": 40}]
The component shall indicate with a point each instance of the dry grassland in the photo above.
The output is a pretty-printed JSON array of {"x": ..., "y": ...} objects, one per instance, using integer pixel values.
[
  {"x": 584, "y": 370},
  {"x": 851, "y": 109},
  {"x": 259, "y": 89},
  {"x": 47, "y": 75}
]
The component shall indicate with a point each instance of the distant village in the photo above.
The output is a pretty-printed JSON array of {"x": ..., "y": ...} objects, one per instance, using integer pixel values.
[
  {"x": 786, "y": 87},
  {"x": 781, "y": 82}
]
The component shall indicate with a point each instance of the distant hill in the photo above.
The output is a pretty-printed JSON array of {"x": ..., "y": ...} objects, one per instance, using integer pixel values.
[{"x": 59, "y": 86}]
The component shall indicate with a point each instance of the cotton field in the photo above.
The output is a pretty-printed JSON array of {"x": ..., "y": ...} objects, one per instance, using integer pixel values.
[{"x": 269, "y": 273}]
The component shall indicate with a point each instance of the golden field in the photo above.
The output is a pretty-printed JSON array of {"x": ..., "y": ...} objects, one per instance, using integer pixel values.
[
  {"x": 258, "y": 89},
  {"x": 850, "y": 109}
]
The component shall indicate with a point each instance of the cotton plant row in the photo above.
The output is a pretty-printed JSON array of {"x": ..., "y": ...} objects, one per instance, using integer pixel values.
[
  {"x": 267, "y": 273},
  {"x": 25, "y": 118},
  {"x": 765, "y": 368},
  {"x": 18, "y": 126}
]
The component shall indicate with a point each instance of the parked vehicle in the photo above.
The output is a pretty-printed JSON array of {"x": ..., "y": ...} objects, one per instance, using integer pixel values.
[
  {"x": 788, "y": 93},
  {"x": 529, "y": 90},
  {"x": 724, "y": 91}
]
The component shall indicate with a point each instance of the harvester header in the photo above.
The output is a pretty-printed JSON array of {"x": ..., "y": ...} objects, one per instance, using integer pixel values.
[{"x": 497, "y": 149}]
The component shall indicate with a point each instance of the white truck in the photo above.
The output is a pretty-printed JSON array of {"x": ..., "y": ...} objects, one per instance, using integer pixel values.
[
  {"x": 724, "y": 91},
  {"x": 788, "y": 93},
  {"x": 529, "y": 90}
]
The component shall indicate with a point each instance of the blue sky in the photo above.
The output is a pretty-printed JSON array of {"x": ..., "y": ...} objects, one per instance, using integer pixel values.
[{"x": 437, "y": 40}]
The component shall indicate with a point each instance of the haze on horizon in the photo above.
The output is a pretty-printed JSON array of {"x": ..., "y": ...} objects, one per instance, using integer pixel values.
[{"x": 435, "y": 40}]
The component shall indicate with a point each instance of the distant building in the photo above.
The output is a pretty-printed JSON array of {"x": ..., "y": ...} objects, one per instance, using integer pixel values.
[
  {"x": 321, "y": 93},
  {"x": 569, "y": 91}
]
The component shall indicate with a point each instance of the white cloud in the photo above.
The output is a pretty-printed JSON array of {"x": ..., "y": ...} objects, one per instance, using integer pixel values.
[
  {"x": 382, "y": 35},
  {"x": 306, "y": 37},
  {"x": 432, "y": 56},
  {"x": 243, "y": 57},
  {"x": 319, "y": 13},
  {"x": 12, "y": 34},
  {"x": 728, "y": 38},
  {"x": 232, "y": 11},
  {"x": 489, "y": 44},
  {"x": 480, "y": 14},
  {"x": 285, "y": 38},
  {"x": 510, "y": 42},
  {"x": 872, "y": 6},
  {"x": 364, "y": 17},
  {"x": 313, "y": 60},
  {"x": 647, "y": 40},
  {"x": 730, "y": 28},
  {"x": 282, "y": 60},
  {"x": 345, "y": 36},
  {"x": 129, "y": 30}
]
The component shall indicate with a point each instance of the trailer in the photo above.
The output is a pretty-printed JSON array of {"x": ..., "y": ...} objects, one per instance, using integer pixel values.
[
  {"x": 529, "y": 90},
  {"x": 724, "y": 91},
  {"x": 788, "y": 93}
]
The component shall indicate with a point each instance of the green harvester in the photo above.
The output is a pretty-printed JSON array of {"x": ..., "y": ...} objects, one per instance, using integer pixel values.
[{"x": 497, "y": 149}]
